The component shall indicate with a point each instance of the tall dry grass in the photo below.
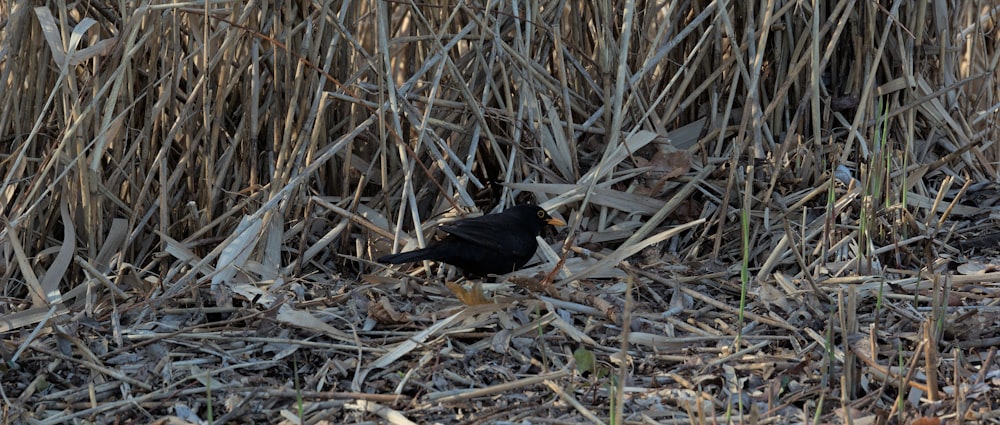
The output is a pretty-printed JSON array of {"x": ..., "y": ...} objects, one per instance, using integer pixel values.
[{"x": 166, "y": 150}]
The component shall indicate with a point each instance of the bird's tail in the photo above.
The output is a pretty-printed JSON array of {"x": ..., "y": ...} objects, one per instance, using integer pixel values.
[{"x": 405, "y": 257}]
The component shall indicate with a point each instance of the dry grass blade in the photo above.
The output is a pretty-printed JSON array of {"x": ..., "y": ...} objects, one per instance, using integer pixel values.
[
  {"x": 629, "y": 250},
  {"x": 392, "y": 416}
]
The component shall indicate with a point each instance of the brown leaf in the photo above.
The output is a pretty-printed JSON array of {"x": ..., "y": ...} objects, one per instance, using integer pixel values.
[
  {"x": 383, "y": 312},
  {"x": 923, "y": 420},
  {"x": 471, "y": 296}
]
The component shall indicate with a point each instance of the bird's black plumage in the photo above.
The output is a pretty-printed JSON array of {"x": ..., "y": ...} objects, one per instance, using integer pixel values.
[{"x": 491, "y": 244}]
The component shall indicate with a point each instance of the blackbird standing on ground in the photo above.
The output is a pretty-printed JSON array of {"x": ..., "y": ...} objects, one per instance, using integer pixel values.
[{"x": 491, "y": 244}]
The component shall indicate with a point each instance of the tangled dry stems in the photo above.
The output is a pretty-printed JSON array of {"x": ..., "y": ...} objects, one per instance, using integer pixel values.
[{"x": 192, "y": 194}]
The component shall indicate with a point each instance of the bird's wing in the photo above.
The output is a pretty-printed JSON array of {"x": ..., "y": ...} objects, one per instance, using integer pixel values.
[{"x": 489, "y": 234}]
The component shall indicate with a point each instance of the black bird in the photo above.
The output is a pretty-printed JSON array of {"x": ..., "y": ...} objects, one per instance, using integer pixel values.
[{"x": 491, "y": 244}]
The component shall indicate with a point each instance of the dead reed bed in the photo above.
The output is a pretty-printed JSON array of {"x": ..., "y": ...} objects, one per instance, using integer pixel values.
[{"x": 782, "y": 212}]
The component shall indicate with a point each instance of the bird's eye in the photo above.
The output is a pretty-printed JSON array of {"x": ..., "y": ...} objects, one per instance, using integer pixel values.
[{"x": 541, "y": 214}]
